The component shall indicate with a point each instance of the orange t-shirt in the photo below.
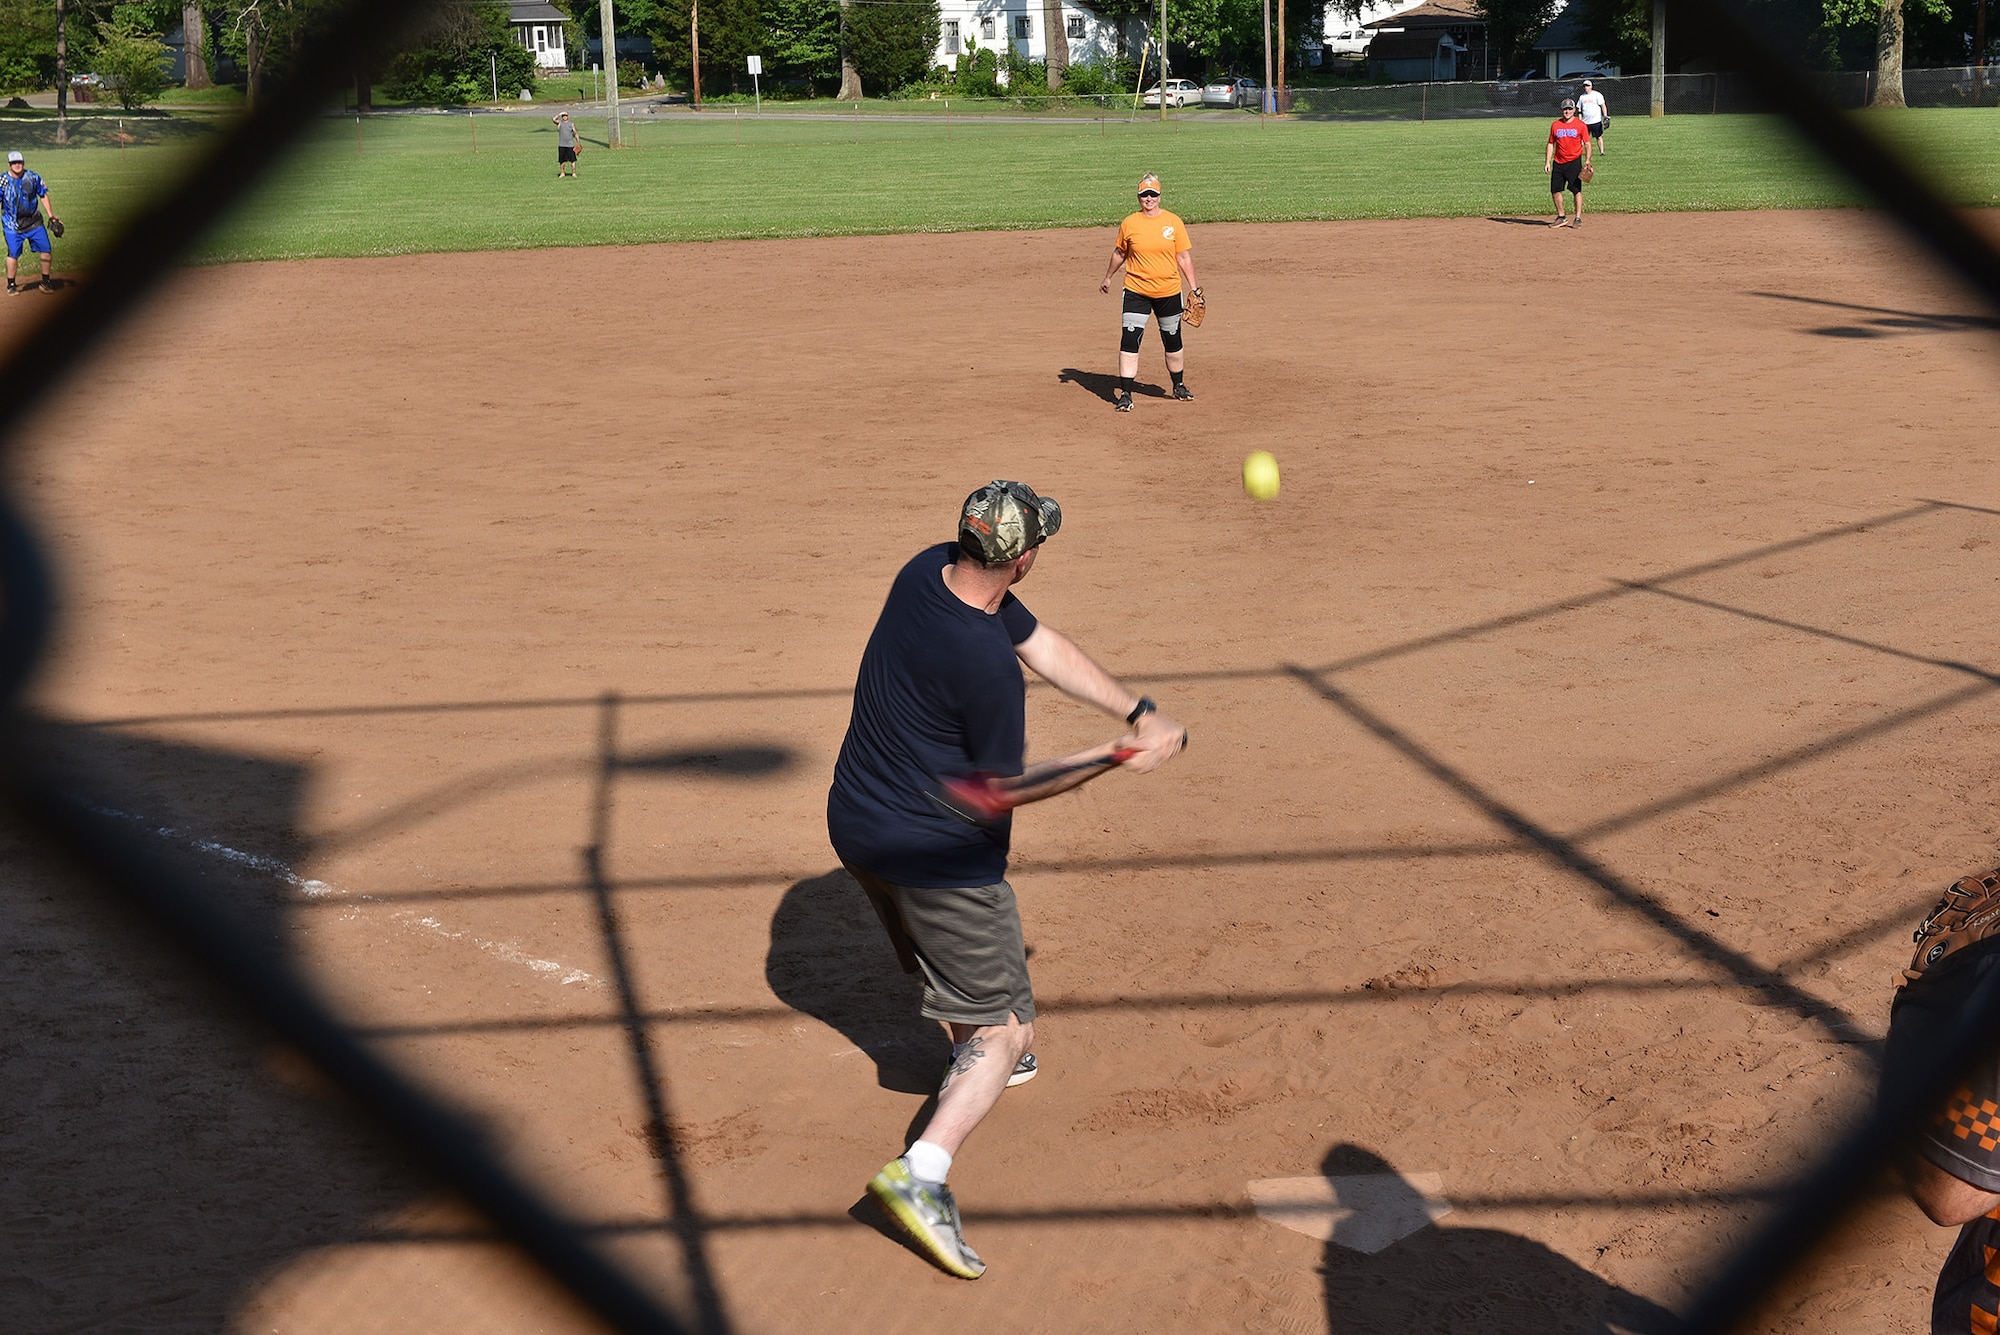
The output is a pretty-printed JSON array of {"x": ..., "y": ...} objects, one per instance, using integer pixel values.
[{"x": 1150, "y": 245}]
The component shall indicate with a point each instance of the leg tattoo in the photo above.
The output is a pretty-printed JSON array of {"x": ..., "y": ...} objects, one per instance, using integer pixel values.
[{"x": 963, "y": 1055}]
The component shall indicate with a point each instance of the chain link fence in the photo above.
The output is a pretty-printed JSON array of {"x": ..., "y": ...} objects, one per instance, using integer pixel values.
[
  {"x": 1631, "y": 95},
  {"x": 184, "y": 907}
]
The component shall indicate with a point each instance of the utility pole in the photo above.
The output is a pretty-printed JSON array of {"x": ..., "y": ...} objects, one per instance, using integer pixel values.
[
  {"x": 1979, "y": 53},
  {"x": 1163, "y": 60},
  {"x": 1267, "y": 97},
  {"x": 1278, "y": 102},
  {"x": 62, "y": 72},
  {"x": 604, "y": 22},
  {"x": 694, "y": 47},
  {"x": 1659, "y": 107}
]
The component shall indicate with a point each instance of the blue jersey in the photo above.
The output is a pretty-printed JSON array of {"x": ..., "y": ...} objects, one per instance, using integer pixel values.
[{"x": 20, "y": 201}]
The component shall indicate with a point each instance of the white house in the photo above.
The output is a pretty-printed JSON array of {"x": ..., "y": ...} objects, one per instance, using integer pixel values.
[
  {"x": 994, "y": 24},
  {"x": 538, "y": 25}
]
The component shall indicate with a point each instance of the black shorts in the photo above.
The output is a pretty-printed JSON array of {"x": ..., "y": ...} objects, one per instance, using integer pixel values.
[
  {"x": 1596, "y": 129},
  {"x": 1138, "y": 303},
  {"x": 1567, "y": 176},
  {"x": 565, "y": 155},
  {"x": 966, "y": 942}
]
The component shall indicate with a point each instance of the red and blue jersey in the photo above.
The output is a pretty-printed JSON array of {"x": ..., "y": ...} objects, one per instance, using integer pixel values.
[{"x": 1568, "y": 137}]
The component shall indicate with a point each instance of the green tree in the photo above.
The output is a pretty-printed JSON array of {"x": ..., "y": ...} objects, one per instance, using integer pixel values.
[
  {"x": 131, "y": 59},
  {"x": 892, "y": 44},
  {"x": 1515, "y": 25},
  {"x": 1208, "y": 36},
  {"x": 731, "y": 30},
  {"x": 27, "y": 43},
  {"x": 452, "y": 58},
  {"x": 803, "y": 40}
]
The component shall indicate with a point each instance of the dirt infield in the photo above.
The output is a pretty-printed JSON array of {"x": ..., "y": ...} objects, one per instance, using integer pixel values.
[{"x": 1575, "y": 742}]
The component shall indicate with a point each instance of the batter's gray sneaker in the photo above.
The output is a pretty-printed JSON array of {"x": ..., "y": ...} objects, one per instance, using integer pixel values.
[{"x": 927, "y": 1213}]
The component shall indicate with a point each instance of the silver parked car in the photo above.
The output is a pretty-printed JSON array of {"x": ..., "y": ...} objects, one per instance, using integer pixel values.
[{"x": 1231, "y": 93}]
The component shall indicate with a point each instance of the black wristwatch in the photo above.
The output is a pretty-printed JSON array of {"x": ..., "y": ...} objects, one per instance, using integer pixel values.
[{"x": 1145, "y": 706}]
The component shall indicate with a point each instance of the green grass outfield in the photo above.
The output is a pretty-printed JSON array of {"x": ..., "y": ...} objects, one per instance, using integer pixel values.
[{"x": 415, "y": 185}]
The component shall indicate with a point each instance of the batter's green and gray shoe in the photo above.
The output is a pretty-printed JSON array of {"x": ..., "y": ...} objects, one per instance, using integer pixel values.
[{"x": 928, "y": 1215}]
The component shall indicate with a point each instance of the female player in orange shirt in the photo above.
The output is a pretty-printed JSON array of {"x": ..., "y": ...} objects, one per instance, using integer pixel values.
[{"x": 1154, "y": 249}]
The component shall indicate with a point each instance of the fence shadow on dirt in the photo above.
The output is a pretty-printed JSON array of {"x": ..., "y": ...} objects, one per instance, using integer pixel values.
[{"x": 159, "y": 1141}]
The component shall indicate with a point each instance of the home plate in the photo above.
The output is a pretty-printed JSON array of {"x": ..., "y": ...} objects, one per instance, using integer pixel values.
[{"x": 1363, "y": 1214}]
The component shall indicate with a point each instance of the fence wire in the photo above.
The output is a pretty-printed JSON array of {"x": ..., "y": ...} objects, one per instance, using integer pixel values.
[
  {"x": 179, "y": 901},
  {"x": 1631, "y": 95}
]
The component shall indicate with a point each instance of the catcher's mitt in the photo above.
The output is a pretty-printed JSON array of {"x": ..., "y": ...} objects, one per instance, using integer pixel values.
[
  {"x": 55, "y": 226},
  {"x": 1589, "y": 173},
  {"x": 1196, "y": 309},
  {"x": 1967, "y": 915}
]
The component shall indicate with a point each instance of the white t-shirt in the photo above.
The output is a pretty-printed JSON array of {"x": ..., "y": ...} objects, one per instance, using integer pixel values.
[{"x": 1591, "y": 107}]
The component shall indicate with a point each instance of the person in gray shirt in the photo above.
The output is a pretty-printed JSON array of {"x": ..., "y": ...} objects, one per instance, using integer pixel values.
[{"x": 565, "y": 145}]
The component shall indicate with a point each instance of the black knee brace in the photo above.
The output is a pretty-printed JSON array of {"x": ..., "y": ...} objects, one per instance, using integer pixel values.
[
  {"x": 1128, "y": 338},
  {"x": 1170, "y": 341}
]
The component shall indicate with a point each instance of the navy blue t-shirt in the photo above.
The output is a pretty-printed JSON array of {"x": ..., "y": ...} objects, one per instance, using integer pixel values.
[{"x": 939, "y": 693}]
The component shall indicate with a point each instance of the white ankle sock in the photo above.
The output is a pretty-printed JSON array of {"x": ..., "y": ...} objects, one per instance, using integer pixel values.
[{"x": 927, "y": 1161}]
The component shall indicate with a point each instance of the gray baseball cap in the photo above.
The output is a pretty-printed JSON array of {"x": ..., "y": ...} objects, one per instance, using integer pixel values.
[
  {"x": 1569, "y": 104},
  {"x": 1003, "y": 520},
  {"x": 15, "y": 157}
]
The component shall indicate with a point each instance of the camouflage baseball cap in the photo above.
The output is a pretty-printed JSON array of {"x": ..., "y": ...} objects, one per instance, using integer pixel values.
[{"x": 1002, "y": 520}]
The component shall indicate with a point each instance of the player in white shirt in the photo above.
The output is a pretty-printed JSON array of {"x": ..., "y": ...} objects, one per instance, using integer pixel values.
[{"x": 1596, "y": 115}]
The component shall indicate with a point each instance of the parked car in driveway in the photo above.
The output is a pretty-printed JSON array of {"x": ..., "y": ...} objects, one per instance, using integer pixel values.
[
  {"x": 1180, "y": 93},
  {"x": 1230, "y": 93},
  {"x": 1510, "y": 90}
]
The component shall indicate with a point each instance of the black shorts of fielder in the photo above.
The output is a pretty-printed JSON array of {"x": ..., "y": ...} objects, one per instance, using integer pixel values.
[
  {"x": 1567, "y": 176},
  {"x": 966, "y": 943},
  {"x": 1596, "y": 129},
  {"x": 1138, "y": 309},
  {"x": 565, "y": 155}
]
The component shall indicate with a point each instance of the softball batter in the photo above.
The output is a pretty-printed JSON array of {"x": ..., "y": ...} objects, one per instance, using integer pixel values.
[{"x": 1154, "y": 250}]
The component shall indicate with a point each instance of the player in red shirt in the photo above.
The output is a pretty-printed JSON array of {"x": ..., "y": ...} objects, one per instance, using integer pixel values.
[{"x": 1568, "y": 155}]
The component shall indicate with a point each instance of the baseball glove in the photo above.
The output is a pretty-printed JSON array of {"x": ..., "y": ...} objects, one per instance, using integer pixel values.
[
  {"x": 1967, "y": 915},
  {"x": 1196, "y": 309},
  {"x": 55, "y": 226},
  {"x": 1589, "y": 173}
]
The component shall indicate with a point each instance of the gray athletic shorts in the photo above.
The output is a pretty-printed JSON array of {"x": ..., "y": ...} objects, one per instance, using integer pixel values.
[{"x": 967, "y": 943}]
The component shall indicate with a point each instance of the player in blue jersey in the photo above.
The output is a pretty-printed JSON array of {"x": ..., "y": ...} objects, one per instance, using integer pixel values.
[{"x": 23, "y": 197}]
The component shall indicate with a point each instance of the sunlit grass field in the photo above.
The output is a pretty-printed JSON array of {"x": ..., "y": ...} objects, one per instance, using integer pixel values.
[{"x": 397, "y": 184}]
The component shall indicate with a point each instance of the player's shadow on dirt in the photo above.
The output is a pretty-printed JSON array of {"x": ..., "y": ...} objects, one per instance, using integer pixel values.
[
  {"x": 1471, "y": 1280},
  {"x": 1540, "y": 220},
  {"x": 830, "y": 958},
  {"x": 165, "y": 1157},
  {"x": 1104, "y": 386}
]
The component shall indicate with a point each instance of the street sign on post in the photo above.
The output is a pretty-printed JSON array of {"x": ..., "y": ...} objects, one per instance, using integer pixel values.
[{"x": 756, "y": 90}]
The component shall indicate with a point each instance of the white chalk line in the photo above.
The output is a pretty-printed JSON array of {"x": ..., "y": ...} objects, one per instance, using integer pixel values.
[{"x": 315, "y": 889}]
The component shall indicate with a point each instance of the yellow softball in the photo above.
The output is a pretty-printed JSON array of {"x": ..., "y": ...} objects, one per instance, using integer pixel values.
[{"x": 1260, "y": 476}]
